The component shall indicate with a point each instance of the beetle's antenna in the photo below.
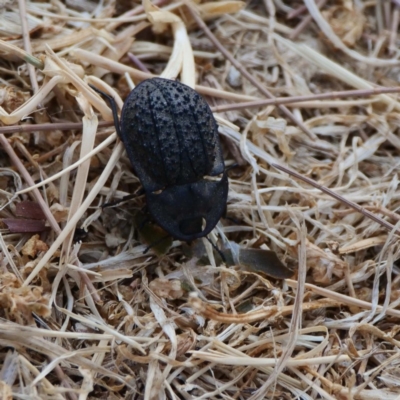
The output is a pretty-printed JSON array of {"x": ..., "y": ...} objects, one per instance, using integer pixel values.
[
  {"x": 113, "y": 106},
  {"x": 119, "y": 201},
  {"x": 124, "y": 199},
  {"x": 234, "y": 165},
  {"x": 217, "y": 250}
]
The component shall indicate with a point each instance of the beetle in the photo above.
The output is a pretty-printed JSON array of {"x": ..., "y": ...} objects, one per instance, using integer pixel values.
[{"x": 171, "y": 139}]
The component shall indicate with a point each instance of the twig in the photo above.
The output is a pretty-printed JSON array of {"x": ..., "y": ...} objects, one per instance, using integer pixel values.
[
  {"x": 305, "y": 22},
  {"x": 138, "y": 63},
  {"x": 61, "y": 126},
  {"x": 297, "y": 99},
  {"x": 293, "y": 100},
  {"x": 296, "y": 12},
  {"x": 362, "y": 210},
  {"x": 52, "y": 153}
]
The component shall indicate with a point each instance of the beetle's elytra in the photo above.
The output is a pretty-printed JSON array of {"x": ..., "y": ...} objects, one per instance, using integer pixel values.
[{"x": 172, "y": 142}]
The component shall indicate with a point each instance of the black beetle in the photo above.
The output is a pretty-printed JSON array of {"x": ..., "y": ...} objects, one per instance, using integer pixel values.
[{"x": 172, "y": 142}]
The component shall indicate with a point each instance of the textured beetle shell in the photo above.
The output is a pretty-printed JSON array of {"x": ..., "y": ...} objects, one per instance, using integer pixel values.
[{"x": 170, "y": 135}]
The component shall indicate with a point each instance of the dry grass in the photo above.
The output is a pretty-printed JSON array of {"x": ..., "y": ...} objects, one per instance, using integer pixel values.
[{"x": 295, "y": 88}]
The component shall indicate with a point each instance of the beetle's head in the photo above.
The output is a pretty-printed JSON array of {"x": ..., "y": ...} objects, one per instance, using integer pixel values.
[{"x": 189, "y": 211}]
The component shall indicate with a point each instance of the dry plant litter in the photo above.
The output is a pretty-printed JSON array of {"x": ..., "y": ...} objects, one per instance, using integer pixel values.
[{"x": 305, "y": 94}]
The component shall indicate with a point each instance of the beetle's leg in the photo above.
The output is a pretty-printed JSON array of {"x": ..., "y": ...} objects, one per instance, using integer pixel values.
[
  {"x": 79, "y": 234},
  {"x": 143, "y": 223},
  {"x": 234, "y": 220},
  {"x": 113, "y": 106},
  {"x": 125, "y": 198},
  {"x": 155, "y": 243},
  {"x": 118, "y": 202},
  {"x": 231, "y": 219},
  {"x": 234, "y": 165},
  {"x": 217, "y": 250}
]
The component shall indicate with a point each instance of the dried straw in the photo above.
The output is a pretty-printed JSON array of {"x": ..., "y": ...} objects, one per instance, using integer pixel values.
[{"x": 306, "y": 96}]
